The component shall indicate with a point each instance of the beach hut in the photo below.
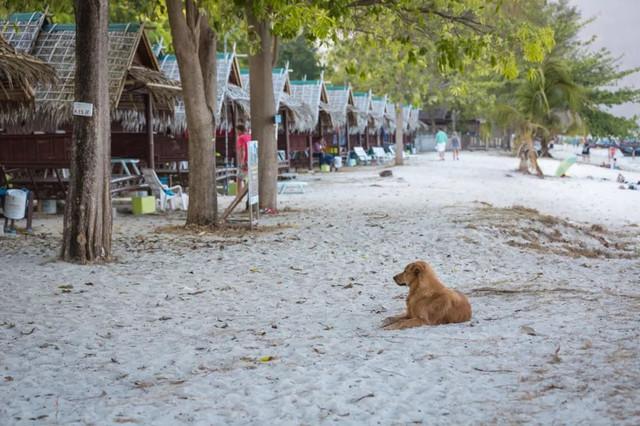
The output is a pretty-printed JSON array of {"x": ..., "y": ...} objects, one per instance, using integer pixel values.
[
  {"x": 359, "y": 135},
  {"x": 343, "y": 117},
  {"x": 313, "y": 95},
  {"x": 376, "y": 121},
  {"x": 292, "y": 112},
  {"x": 20, "y": 73},
  {"x": 389, "y": 125},
  {"x": 40, "y": 137},
  {"x": 232, "y": 106}
]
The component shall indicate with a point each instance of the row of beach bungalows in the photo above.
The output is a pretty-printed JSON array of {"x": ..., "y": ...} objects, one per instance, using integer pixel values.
[{"x": 147, "y": 113}]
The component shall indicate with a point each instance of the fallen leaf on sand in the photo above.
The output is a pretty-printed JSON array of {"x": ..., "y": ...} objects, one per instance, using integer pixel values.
[
  {"x": 528, "y": 330},
  {"x": 556, "y": 358},
  {"x": 266, "y": 358},
  {"x": 254, "y": 269}
]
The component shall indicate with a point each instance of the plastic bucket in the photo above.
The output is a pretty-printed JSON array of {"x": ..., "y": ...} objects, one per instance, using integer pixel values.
[
  {"x": 15, "y": 203},
  {"x": 325, "y": 168},
  {"x": 49, "y": 206},
  {"x": 351, "y": 162},
  {"x": 337, "y": 162}
]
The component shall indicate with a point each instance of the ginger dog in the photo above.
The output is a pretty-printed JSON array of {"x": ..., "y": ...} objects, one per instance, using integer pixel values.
[{"x": 429, "y": 302}]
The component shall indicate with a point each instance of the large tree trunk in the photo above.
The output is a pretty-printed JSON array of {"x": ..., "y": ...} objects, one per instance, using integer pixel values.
[
  {"x": 544, "y": 148},
  {"x": 195, "y": 45},
  {"x": 87, "y": 216},
  {"x": 263, "y": 109},
  {"x": 528, "y": 156},
  {"x": 399, "y": 135}
]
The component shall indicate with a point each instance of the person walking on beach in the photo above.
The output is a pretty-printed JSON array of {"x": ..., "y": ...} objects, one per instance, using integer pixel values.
[
  {"x": 586, "y": 151},
  {"x": 455, "y": 146},
  {"x": 242, "y": 154},
  {"x": 441, "y": 143}
]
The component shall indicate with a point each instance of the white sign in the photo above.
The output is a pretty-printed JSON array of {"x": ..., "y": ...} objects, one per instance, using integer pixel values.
[
  {"x": 83, "y": 109},
  {"x": 252, "y": 166}
]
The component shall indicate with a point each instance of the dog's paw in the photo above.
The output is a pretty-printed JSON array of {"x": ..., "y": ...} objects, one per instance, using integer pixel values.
[{"x": 388, "y": 321}]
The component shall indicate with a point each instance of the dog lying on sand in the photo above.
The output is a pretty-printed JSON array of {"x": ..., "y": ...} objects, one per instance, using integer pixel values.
[{"x": 429, "y": 302}]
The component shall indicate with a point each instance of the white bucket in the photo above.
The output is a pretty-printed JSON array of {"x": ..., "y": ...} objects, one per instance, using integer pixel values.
[
  {"x": 49, "y": 206},
  {"x": 15, "y": 203},
  {"x": 337, "y": 162}
]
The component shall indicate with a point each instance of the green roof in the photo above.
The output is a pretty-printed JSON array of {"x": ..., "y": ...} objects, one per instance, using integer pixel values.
[
  {"x": 360, "y": 93},
  {"x": 302, "y": 82},
  {"x": 336, "y": 87},
  {"x": 245, "y": 71},
  {"x": 119, "y": 28},
  {"x": 25, "y": 16}
]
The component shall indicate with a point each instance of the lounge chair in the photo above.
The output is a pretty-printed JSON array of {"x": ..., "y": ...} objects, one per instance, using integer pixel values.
[
  {"x": 381, "y": 155},
  {"x": 363, "y": 157},
  {"x": 164, "y": 194},
  {"x": 405, "y": 156}
]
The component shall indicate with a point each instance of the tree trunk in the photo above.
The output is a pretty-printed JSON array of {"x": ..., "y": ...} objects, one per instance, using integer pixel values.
[
  {"x": 195, "y": 45},
  {"x": 399, "y": 135},
  {"x": 544, "y": 148},
  {"x": 528, "y": 156},
  {"x": 87, "y": 216},
  {"x": 263, "y": 109}
]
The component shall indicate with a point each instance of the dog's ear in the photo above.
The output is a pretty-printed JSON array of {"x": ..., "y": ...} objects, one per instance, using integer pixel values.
[{"x": 418, "y": 267}]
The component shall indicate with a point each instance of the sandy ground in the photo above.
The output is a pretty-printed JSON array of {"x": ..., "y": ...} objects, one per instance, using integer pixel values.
[{"x": 281, "y": 326}]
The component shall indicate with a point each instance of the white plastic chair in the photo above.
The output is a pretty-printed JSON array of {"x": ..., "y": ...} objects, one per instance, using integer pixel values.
[
  {"x": 363, "y": 157},
  {"x": 381, "y": 155},
  {"x": 160, "y": 191}
]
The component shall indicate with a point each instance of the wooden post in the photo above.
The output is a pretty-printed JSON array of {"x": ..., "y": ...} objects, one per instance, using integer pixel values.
[
  {"x": 286, "y": 138},
  {"x": 346, "y": 131},
  {"x": 148, "y": 115},
  {"x": 310, "y": 141},
  {"x": 366, "y": 137}
]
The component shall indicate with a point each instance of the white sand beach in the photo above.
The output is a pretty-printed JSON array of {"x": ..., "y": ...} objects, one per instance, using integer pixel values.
[{"x": 282, "y": 325}]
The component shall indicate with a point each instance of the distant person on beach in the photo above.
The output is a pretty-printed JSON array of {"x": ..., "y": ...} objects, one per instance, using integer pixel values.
[
  {"x": 319, "y": 147},
  {"x": 441, "y": 143},
  {"x": 586, "y": 150},
  {"x": 455, "y": 146},
  {"x": 242, "y": 154}
]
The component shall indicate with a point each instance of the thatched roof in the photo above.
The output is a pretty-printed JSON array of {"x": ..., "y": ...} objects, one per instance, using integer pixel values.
[
  {"x": 281, "y": 84},
  {"x": 312, "y": 93},
  {"x": 132, "y": 73},
  {"x": 229, "y": 86},
  {"x": 21, "y": 29},
  {"x": 390, "y": 117},
  {"x": 341, "y": 105},
  {"x": 362, "y": 102},
  {"x": 378, "y": 109},
  {"x": 414, "y": 120},
  {"x": 301, "y": 114},
  {"x": 406, "y": 116},
  {"x": 19, "y": 73}
]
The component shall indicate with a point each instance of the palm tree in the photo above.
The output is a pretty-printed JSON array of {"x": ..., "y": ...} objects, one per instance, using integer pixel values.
[{"x": 542, "y": 105}]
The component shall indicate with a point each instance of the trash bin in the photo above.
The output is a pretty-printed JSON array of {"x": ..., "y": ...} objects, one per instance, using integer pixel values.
[{"x": 15, "y": 203}]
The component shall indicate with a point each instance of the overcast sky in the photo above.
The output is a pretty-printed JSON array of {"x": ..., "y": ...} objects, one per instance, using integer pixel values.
[{"x": 617, "y": 27}]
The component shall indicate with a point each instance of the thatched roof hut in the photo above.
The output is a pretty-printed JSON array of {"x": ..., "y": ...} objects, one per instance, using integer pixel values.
[
  {"x": 362, "y": 101},
  {"x": 298, "y": 113},
  {"x": 414, "y": 120},
  {"x": 342, "y": 106},
  {"x": 406, "y": 116},
  {"x": 19, "y": 74},
  {"x": 377, "y": 114},
  {"x": 134, "y": 74},
  {"x": 312, "y": 94},
  {"x": 389, "y": 123},
  {"x": 229, "y": 87}
]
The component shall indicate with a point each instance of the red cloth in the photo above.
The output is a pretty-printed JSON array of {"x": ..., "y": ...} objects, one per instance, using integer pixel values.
[{"x": 242, "y": 148}]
